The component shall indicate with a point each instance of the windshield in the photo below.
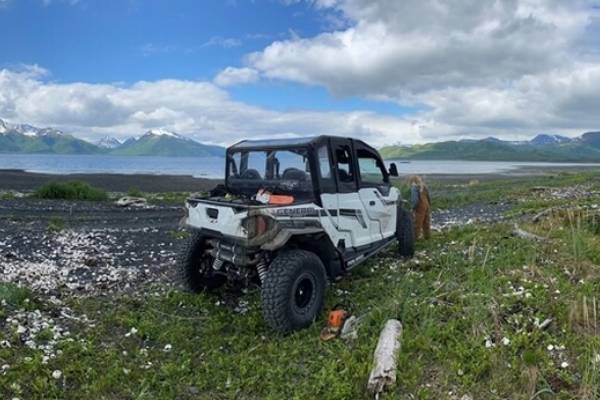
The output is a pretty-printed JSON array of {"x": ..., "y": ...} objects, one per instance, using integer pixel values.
[{"x": 283, "y": 171}]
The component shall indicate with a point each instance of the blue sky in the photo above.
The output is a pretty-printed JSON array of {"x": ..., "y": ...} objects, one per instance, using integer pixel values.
[
  {"x": 110, "y": 41},
  {"x": 127, "y": 41},
  {"x": 389, "y": 71}
]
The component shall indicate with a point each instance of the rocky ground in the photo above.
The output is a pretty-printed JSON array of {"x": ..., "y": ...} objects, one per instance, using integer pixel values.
[
  {"x": 86, "y": 247},
  {"x": 97, "y": 247},
  {"x": 469, "y": 214}
]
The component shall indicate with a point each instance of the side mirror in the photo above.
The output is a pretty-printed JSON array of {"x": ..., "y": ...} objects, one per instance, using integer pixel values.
[{"x": 393, "y": 169}]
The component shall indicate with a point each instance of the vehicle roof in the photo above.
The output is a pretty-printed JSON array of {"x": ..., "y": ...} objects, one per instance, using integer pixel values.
[{"x": 288, "y": 142}]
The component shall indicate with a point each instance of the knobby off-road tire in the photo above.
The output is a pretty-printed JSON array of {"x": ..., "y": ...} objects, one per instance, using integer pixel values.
[
  {"x": 294, "y": 289},
  {"x": 405, "y": 233},
  {"x": 195, "y": 267}
]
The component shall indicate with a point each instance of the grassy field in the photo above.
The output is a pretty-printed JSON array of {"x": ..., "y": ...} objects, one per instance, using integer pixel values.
[{"x": 471, "y": 304}]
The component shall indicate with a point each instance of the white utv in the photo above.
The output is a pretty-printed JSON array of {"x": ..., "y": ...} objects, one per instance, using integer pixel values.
[{"x": 292, "y": 215}]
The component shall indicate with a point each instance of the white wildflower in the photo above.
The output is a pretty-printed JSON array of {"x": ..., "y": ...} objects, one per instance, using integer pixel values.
[
  {"x": 564, "y": 365},
  {"x": 505, "y": 341},
  {"x": 56, "y": 374},
  {"x": 168, "y": 347},
  {"x": 133, "y": 331}
]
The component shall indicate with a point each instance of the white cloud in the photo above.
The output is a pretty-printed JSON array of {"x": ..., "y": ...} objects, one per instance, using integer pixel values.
[
  {"x": 198, "y": 109},
  {"x": 234, "y": 76},
  {"x": 478, "y": 67},
  {"x": 509, "y": 68},
  {"x": 400, "y": 47}
]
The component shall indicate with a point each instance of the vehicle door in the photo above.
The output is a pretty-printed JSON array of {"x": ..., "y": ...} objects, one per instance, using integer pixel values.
[
  {"x": 328, "y": 190},
  {"x": 353, "y": 223},
  {"x": 375, "y": 191}
]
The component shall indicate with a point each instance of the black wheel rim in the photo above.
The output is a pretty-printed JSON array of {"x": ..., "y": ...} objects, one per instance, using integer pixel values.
[{"x": 303, "y": 293}]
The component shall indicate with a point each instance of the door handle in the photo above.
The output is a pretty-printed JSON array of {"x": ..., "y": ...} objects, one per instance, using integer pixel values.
[{"x": 372, "y": 202}]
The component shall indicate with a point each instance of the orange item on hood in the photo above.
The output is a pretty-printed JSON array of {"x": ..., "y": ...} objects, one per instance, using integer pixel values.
[{"x": 281, "y": 200}]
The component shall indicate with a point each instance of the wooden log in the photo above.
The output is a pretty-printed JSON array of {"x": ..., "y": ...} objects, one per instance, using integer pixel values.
[
  {"x": 385, "y": 357},
  {"x": 527, "y": 235},
  {"x": 542, "y": 214}
]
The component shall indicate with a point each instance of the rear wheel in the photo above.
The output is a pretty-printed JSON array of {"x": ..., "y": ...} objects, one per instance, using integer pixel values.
[
  {"x": 195, "y": 267},
  {"x": 293, "y": 292},
  {"x": 405, "y": 233}
]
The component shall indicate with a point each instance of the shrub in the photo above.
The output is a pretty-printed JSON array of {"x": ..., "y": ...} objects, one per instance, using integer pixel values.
[
  {"x": 72, "y": 190},
  {"x": 13, "y": 294},
  {"x": 135, "y": 192},
  {"x": 56, "y": 224}
]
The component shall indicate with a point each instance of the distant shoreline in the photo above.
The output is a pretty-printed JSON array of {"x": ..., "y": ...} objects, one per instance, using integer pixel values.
[{"x": 21, "y": 180}]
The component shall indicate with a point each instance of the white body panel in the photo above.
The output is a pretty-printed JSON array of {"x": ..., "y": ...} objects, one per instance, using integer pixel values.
[{"x": 359, "y": 218}]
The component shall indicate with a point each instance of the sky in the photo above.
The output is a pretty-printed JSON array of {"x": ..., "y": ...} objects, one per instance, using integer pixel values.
[{"x": 387, "y": 71}]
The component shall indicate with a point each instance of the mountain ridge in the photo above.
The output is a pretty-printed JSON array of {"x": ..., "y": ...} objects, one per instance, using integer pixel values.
[
  {"x": 543, "y": 147},
  {"x": 27, "y": 139}
]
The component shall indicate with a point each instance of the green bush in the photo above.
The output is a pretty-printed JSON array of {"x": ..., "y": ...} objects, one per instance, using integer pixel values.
[
  {"x": 56, "y": 224},
  {"x": 134, "y": 192},
  {"x": 13, "y": 294},
  {"x": 72, "y": 190}
]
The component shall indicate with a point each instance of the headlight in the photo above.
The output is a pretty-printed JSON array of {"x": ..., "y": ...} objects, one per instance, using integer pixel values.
[{"x": 257, "y": 225}]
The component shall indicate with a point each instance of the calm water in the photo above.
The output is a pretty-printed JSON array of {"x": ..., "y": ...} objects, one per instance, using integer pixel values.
[{"x": 212, "y": 167}]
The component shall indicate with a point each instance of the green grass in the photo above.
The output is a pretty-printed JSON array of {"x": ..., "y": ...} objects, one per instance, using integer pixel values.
[
  {"x": 461, "y": 192},
  {"x": 135, "y": 192},
  {"x": 7, "y": 196},
  {"x": 14, "y": 295},
  {"x": 467, "y": 285},
  {"x": 72, "y": 190},
  {"x": 55, "y": 224},
  {"x": 169, "y": 197}
]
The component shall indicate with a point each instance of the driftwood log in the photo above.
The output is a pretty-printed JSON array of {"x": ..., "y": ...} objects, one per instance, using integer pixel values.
[
  {"x": 385, "y": 357},
  {"x": 543, "y": 214},
  {"x": 527, "y": 235},
  {"x": 130, "y": 201}
]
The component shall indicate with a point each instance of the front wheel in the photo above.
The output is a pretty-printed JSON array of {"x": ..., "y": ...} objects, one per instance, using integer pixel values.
[
  {"x": 293, "y": 292},
  {"x": 405, "y": 233}
]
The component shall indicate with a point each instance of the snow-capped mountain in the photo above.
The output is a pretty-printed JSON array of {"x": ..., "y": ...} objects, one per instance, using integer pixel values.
[
  {"x": 108, "y": 142},
  {"x": 23, "y": 138},
  {"x": 27, "y": 130},
  {"x": 164, "y": 132},
  {"x": 49, "y": 132},
  {"x": 162, "y": 142}
]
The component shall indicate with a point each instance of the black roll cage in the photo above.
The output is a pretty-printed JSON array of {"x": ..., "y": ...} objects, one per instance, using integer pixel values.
[{"x": 311, "y": 145}]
